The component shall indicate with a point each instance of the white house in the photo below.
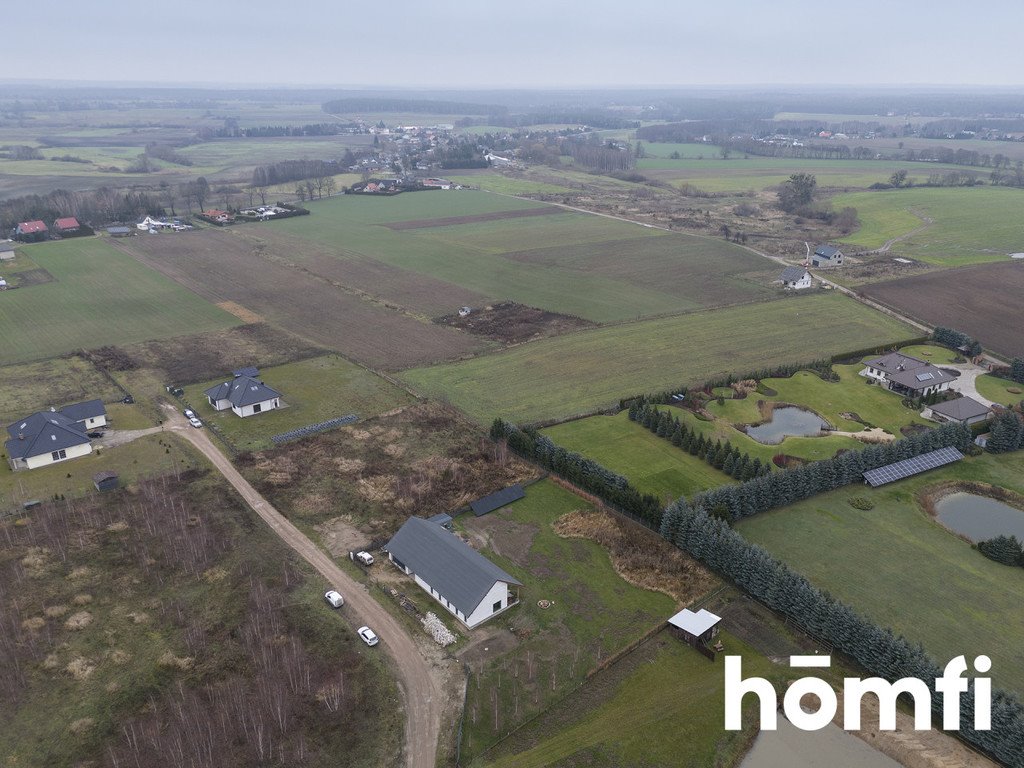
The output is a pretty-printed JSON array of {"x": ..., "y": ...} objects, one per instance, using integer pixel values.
[
  {"x": 148, "y": 222},
  {"x": 89, "y": 415},
  {"x": 796, "y": 278},
  {"x": 245, "y": 395},
  {"x": 46, "y": 437},
  {"x": 907, "y": 375},
  {"x": 464, "y": 582}
]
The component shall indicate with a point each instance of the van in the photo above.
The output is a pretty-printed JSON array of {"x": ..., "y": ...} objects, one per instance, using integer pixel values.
[{"x": 365, "y": 558}]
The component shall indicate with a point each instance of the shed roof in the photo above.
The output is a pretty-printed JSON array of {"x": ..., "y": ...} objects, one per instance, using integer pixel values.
[
  {"x": 694, "y": 623},
  {"x": 961, "y": 409},
  {"x": 41, "y": 433},
  {"x": 90, "y": 409},
  {"x": 497, "y": 499},
  {"x": 458, "y": 572},
  {"x": 106, "y": 474},
  {"x": 793, "y": 273},
  {"x": 244, "y": 390}
]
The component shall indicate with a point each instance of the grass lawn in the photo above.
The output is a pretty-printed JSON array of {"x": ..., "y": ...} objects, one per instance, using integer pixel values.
[
  {"x": 933, "y": 353},
  {"x": 314, "y": 390},
  {"x": 904, "y": 570},
  {"x": 30, "y": 387},
  {"x": 145, "y": 457},
  {"x": 1000, "y": 390},
  {"x": 970, "y": 224},
  {"x": 507, "y": 185},
  {"x": 557, "y": 645},
  {"x": 583, "y": 371},
  {"x": 99, "y": 296},
  {"x": 651, "y": 463},
  {"x": 663, "y": 709}
]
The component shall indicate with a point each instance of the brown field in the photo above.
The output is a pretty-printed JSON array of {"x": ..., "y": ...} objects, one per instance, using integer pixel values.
[
  {"x": 512, "y": 323},
  {"x": 982, "y": 301},
  {"x": 222, "y": 266},
  {"x": 548, "y": 210},
  {"x": 243, "y": 314}
]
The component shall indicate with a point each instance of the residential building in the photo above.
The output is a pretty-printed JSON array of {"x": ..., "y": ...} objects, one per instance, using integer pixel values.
[
  {"x": 795, "y": 278},
  {"x": 827, "y": 256},
  {"x": 31, "y": 231},
  {"x": 245, "y": 395},
  {"x": 90, "y": 415},
  {"x": 67, "y": 226},
  {"x": 907, "y": 375},
  {"x": 467, "y": 584},
  {"x": 44, "y": 438},
  {"x": 962, "y": 410}
]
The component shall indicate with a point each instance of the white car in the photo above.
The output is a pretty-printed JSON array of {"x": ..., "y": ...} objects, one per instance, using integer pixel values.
[
  {"x": 365, "y": 558},
  {"x": 368, "y": 637},
  {"x": 189, "y": 413},
  {"x": 334, "y": 599},
  {"x": 195, "y": 422}
]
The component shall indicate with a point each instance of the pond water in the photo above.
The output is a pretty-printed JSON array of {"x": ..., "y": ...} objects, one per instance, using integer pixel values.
[
  {"x": 787, "y": 421},
  {"x": 979, "y": 517},
  {"x": 831, "y": 747}
]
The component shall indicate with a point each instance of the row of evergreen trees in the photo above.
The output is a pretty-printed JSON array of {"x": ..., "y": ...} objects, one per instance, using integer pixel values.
[
  {"x": 1007, "y": 550},
  {"x": 583, "y": 472},
  {"x": 879, "y": 651},
  {"x": 791, "y": 485},
  {"x": 723, "y": 456},
  {"x": 1017, "y": 370},
  {"x": 956, "y": 339},
  {"x": 1006, "y": 433}
]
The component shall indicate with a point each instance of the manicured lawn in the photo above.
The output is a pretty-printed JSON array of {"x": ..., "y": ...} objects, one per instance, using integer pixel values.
[
  {"x": 971, "y": 224},
  {"x": 933, "y": 353},
  {"x": 99, "y": 296},
  {"x": 651, "y": 463},
  {"x": 314, "y": 390},
  {"x": 1000, "y": 390},
  {"x": 572, "y": 374},
  {"x": 905, "y": 571}
]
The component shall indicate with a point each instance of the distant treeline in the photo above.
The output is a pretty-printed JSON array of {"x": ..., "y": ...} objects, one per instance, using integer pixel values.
[
  {"x": 415, "y": 106},
  {"x": 297, "y": 170},
  {"x": 97, "y": 206},
  {"x": 269, "y": 131},
  {"x": 595, "y": 118}
]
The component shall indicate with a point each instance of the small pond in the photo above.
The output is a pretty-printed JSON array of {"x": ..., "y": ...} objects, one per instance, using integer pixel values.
[
  {"x": 785, "y": 422},
  {"x": 789, "y": 747},
  {"x": 979, "y": 517}
]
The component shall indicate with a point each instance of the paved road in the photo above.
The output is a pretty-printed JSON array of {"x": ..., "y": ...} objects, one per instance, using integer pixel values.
[{"x": 424, "y": 702}]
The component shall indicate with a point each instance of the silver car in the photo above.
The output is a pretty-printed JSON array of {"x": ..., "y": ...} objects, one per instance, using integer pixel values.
[{"x": 368, "y": 636}]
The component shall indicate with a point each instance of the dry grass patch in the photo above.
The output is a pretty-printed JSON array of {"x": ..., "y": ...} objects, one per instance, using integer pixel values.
[
  {"x": 55, "y": 611},
  {"x": 80, "y": 668},
  {"x": 33, "y": 623},
  {"x": 81, "y": 725},
  {"x": 78, "y": 621},
  {"x": 82, "y": 599}
]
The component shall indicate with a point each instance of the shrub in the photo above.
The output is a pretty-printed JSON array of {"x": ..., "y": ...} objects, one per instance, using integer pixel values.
[{"x": 859, "y": 502}]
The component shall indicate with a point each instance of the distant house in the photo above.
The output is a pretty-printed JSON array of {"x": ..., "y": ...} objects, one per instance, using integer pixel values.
[
  {"x": 245, "y": 395},
  {"x": 44, "y": 438},
  {"x": 67, "y": 226},
  {"x": 437, "y": 183},
  {"x": 6, "y": 250},
  {"x": 963, "y": 410},
  {"x": 497, "y": 161},
  {"x": 827, "y": 256},
  {"x": 467, "y": 584},
  {"x": 907, "y": 375},
  {"x": 147, "y": 223},
  {"x": 90, "y": 415},
  {"x": 795, "y": 278},
  {"x": 221, "y": 217},
  {"x": 119, "y": 231},
  {"x": 31, "y": 231}
]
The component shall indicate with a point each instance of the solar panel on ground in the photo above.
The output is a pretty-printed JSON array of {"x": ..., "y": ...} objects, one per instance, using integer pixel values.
[
  {"x": 497, "y": 499},
  {"x": 914, "y": 466},
  {"x": 313, "y": 429}
]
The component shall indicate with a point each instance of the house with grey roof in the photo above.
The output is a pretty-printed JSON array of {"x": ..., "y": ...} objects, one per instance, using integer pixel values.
[
  {"x": 245, "y": 395},
  {"x": 962, "y": 410},
  {"x": 467, "y": 584},
  {"x": 795, "y": 278},
  {"x": 827, "y": 256},
  {"x": 45, "y": 438},
  {"x": 90, "y": 415},
  {"x": 907, "y": 375}
]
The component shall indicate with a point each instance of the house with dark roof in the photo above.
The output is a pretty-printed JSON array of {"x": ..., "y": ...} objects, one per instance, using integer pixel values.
[
  {"x": 90, "y": 415},
  {"x": 827, "y": 256},
  {"x": 119, "y": 231},
  {"x": 245, "y": 395},
  {"x": 31, "y": 231},
  {"x": 44, "y": 438},
  {"x": 962, "y": 410},
  {"x": 467, "y": 584},
  {"x": 907, "y": 375},
  {"x": 67, "y": 226},
  {"x": 795, "y": 278}
]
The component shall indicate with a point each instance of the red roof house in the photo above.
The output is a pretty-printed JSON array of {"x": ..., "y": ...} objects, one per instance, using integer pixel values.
[
  {"x": 66, "y": 225},
  {"x": 30, "y": 231}
]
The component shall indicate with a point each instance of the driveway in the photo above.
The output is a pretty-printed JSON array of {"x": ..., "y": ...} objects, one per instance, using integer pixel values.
[
  {"x": 114, "y": 437},
  {"x": 966, "y": 383},
  {"x": 420, "y": 680}
]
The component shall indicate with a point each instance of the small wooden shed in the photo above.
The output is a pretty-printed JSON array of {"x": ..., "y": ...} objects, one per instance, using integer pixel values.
[
  {"x": 105, "y": 481},
  {"x": 696, "y": 629}
]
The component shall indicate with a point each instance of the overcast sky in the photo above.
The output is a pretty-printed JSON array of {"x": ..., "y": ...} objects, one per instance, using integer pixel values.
[{"x": 531, "y": 43}]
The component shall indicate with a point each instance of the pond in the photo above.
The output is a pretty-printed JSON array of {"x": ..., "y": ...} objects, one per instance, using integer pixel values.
[
  {"x": 979, "y": 517},
  {"x": 789, "y": 747},
  {"x": 785, "y": 422}
]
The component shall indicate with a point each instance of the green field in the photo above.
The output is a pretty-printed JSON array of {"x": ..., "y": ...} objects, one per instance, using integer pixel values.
[
  {"x": 1000, "y": 390},
  {"x": 905, "y": 571},
  {"x": 99, "y": 296},
  {"x": 969, "y": 224},
  {"x": 507, "y": 185},
  {"x": 313, "y": 390},
  {"x": 650, "y": 462},
  {"x": 573, "y": 374}
]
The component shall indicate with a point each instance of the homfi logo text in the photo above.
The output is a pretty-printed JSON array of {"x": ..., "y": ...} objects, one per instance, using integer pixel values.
[{"x": 951, "y": 685}]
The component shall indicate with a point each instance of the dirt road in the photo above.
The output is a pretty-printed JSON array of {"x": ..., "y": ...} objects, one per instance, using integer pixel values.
[{"x": 422, "y": 692}]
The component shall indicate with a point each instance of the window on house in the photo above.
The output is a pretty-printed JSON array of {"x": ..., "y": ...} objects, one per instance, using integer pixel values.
[
  {"x": 257, "y": 408},
  {"x": 58, "y": 455},
  {"x": 496, "y": 607}
]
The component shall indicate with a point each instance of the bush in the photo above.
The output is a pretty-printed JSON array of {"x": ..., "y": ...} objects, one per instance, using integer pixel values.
[{"x": 859, "y": 502}]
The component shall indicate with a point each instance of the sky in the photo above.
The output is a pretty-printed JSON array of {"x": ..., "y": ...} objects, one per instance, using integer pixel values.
[{"x": 525, "y": 43}]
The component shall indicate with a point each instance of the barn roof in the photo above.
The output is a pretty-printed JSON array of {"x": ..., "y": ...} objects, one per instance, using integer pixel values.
[
  {"x": 242, "y": 391},
  {"x": 497, "y": 499},
  {"x": 458, "y": 572},
  {"x": 41, "y": 433}
]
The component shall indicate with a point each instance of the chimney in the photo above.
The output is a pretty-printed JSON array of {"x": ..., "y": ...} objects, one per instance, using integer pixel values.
[{"x": 21, "y": 435}]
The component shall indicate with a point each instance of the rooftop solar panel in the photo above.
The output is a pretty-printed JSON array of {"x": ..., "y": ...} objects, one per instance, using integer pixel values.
[{"x": 914, "y": 466}]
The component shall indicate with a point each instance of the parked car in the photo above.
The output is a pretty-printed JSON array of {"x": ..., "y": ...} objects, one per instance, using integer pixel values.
[
  {"x": 368, "y": 636},
  {"x": 189, "y": 413},
  {"x": 195, "y": 422},
  {"x": 334, "y": 599},
  {"x": 365, "y": 558},
  {"x": 94, "y": 435}
]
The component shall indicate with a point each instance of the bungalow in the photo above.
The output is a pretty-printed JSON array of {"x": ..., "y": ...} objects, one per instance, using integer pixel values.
[
  {"x": 44, "y": 438},
  {"x": 31, "y": 231},
  {"x": 467, "y": 584},
  {"x": 89, "y": 415},
  {"x": 795, "y": 278},
  {"x": 245, "y": 395},
  {"x": 67, "y": 226},
  {"x": 963, "y": 410},
  {"x": 827, "y": 256},
  {"x": 907, "y": 375}
]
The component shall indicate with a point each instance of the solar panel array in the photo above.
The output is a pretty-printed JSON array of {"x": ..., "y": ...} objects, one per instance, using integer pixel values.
[
  {"x": 497, "y": 499},
  {"x": 914, "y": 466},
  {"x": 312, "y": 429}
]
